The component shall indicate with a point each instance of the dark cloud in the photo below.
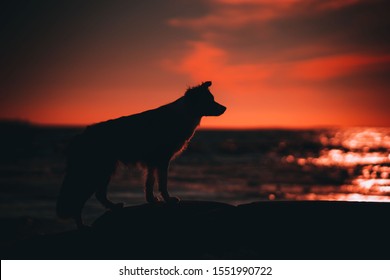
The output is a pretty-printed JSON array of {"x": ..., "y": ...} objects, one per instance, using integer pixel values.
[
  {"x": 362, "y": 27},
  {"x": 98, "y": 43}
]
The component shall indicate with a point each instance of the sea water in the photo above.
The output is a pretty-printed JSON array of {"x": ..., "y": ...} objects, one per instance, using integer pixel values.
[{"x": 232, "y": 166}]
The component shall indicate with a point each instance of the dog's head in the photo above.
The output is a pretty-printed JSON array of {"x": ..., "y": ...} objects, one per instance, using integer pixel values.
[{"x": 202, "y": 101}]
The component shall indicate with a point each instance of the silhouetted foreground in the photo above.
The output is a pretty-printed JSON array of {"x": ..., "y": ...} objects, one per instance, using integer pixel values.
[{"x": 211, "y": 230}]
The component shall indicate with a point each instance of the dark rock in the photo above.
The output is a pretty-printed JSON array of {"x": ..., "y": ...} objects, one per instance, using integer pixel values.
[
  {"x": 188, "y": 229},
  {"x": 211, "y": 230},
  {"x": 316, "y": 229}
]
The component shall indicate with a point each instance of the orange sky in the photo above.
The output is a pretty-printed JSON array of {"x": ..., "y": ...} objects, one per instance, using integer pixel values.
[{"x": 290, "y": 63}]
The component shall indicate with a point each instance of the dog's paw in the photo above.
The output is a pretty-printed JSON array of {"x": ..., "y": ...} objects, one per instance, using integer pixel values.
[
  {"x": 152, "y": 199},
  {"x": 172, "y": 199},
  {"x": 83, "y": 227},
  {"x": 117, "y": 206}
]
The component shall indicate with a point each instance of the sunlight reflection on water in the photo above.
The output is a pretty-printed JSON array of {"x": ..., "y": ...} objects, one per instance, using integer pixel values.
[
  {"x": 358, "y": 138},
  {"x": 364, "y": 153},
  {"x": 342, "y": 158}
]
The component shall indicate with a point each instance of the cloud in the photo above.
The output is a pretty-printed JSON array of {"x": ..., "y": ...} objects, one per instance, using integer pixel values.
[
  {"x": 205, "y": 61},
  {"x": 236, "y": 13},
  {"x": 253, "y": 41},
  {"x": 325, "y": 68}
]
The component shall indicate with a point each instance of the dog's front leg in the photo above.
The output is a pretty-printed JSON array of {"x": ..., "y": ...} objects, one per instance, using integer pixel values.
[
  {"x": 149, "y": 185},
  {"x": 162, "y": 173}
]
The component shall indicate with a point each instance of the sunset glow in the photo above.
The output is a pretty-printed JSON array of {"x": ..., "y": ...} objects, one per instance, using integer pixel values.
[{"x": 288, "y": 64}]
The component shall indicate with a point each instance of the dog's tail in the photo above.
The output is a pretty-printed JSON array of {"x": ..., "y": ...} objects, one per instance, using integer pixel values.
[
  {"x": 69, "y": 204},
  {"x": 63, "y": 211},
  {"x": 87, "y": 169},
  {"x": 74, "y": 191}
]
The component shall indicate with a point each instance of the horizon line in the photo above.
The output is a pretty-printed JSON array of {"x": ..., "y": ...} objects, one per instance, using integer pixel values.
[{"x": 260, "y": 127}]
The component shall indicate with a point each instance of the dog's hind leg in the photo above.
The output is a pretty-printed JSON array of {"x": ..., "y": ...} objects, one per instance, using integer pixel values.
[
  {"x": 101, "y": 195},
  {"x": 162, "y": 173},
  {"x": 80, "y": 224},
  {"x": 149, "y": 185}
]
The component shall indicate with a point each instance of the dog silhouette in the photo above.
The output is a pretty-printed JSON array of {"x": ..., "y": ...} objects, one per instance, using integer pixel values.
[{"x": 151, "y": 139}]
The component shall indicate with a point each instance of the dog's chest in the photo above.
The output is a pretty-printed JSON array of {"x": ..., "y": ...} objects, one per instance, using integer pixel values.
[{"x": 177, "y": 139}]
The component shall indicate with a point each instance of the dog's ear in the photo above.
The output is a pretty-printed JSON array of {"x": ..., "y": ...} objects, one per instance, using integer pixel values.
[{"x": 207, "y": 84}]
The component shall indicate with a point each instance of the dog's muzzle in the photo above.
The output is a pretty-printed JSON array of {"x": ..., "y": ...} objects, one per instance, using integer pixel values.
[{"x": 217, "y": 110}]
